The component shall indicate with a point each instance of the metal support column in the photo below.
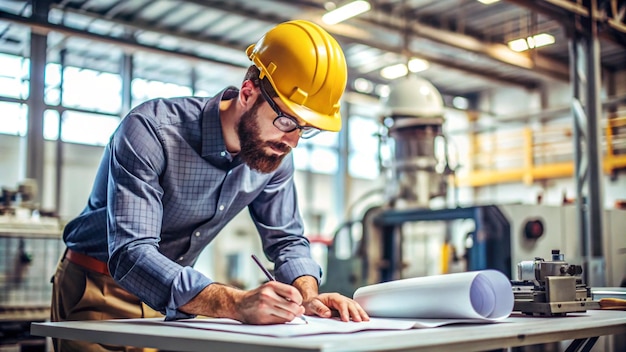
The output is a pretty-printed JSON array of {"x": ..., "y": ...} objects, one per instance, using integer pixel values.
[
  {"x": 586, "y": 109},
  {"x": 193, "y": 79},
  {"x": 342, "y": 181},
  {"x": 59, "y": 142},
  {"x": 36, "y": 103},
  {"x": 126, "y": 74}
]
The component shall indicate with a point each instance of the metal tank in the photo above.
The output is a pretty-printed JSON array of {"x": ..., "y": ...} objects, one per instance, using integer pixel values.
[{"x": 413, "y": 114}]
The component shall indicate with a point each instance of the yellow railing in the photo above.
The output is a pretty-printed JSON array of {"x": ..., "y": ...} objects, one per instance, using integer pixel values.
[{"x": 527, "y": 155}]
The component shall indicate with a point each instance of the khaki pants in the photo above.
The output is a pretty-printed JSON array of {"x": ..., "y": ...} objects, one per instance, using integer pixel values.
[{"x": 81, "y": 294}]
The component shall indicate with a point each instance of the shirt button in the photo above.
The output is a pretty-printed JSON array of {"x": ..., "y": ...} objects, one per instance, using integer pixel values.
[
  {"x": 181, "y": 259},
  {"x": 197, "y": 234},
  {"x": 223, "y": 153},
  {"x": 229, "y": 172},
  {"x": 221, "y": 207}
]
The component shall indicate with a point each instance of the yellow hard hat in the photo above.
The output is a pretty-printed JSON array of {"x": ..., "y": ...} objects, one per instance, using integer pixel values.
[{"x": 307, "y": 69}]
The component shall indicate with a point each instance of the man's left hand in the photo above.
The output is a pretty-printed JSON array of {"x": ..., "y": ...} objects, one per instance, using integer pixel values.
[{"x": 326, "y": 305}]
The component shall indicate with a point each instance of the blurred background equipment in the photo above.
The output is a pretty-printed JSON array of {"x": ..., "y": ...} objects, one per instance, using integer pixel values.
[
  {"x": 413, "y": 114},
  {"x": 344, "y": 268},
  {"x": 418, "y": 175},
  {"x": 30, "y": 247},
  {"x": 22, "y": 198}
]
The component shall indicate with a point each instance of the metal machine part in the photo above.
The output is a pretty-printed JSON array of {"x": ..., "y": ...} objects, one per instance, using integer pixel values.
[
  {"x": 22, "y": 197},
  {"x": 551, "y": 288},
  {"x": 29, "y": 252},
  {"x": 413, "y": 115},
  {"x": 488, "y": 246}
]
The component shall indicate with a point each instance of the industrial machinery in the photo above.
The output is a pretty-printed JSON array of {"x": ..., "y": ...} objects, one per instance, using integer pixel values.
[
  {"x": 551, "y": 288},
  {"x": 420, "y": 171},
  {"x": 30, "y": 248},
  {"x": 417, "y": 172},
  {"x": 413, "y": 114}
]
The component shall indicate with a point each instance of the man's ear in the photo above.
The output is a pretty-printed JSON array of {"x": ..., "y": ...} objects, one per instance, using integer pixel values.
[{"x": 247, "y": 93}]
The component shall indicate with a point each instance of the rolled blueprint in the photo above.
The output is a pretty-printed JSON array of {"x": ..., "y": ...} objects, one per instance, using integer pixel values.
[{"x": 483, "y": 295}]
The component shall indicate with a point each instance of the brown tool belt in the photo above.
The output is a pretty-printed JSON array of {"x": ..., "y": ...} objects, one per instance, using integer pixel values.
[{"x": 87, "y": 262}]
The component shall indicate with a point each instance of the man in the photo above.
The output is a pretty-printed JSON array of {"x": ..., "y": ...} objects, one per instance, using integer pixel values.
[{"x": 176, "y": 171}]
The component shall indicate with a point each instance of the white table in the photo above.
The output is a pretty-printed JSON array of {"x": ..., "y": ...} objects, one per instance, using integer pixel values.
[{"x": 517, "y": 330}]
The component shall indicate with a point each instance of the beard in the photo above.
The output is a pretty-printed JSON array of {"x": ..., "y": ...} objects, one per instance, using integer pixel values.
[{"x": 253, "y": 147}]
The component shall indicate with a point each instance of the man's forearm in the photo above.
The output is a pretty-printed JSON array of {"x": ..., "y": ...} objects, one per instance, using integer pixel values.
[
  {"x": 271, "y": 303},
  {"x": 216, "y": 300}
]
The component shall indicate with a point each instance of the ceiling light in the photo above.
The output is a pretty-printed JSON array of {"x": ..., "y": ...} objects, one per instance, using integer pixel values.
[
  {"x": 400, "y": 70},
  {"x": 542, "y": 39},
  {"x": 394, "y": 71},
  {"x": 342, "y": 13},
  {"x": 488, "y": 2},
  {"x": 329, "y": 5},
  {"x": 518, "y": 44},
  {"x": 535, "y": 41},
  {"x": 363, "y": 85},
  {"x": 382, "y": 90},
  {"x": 417, "y": 65},
  {"x": 461, "y": 103}
]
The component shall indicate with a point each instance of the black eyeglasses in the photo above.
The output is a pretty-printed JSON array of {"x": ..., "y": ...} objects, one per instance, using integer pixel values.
[{"x": 285, "y": 122}]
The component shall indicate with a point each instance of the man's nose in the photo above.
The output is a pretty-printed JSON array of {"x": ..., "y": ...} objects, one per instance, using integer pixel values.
[{"x": 291, "y": 138}]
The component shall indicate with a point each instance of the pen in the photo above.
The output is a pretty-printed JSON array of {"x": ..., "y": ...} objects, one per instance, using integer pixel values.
[{"x": 270, "y": 277}]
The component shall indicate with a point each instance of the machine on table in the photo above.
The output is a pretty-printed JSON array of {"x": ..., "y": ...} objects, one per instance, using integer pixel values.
[{"x": 551, "y": 288}]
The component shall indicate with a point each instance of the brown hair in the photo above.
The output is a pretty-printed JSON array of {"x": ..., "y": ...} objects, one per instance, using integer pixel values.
[{"x": 253, "y": 76}]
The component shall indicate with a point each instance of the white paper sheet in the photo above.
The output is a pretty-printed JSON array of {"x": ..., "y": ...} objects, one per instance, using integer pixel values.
[
  {"x": 484, "y": 295},
  {"x": 315, "y": 326}
]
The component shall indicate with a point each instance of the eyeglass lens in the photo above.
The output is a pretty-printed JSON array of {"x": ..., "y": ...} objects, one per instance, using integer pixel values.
[{"x": 285, "y": 122}]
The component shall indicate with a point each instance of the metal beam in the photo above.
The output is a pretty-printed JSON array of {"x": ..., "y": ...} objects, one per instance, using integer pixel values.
[
  {"x": 270, "y": 19},
  {"x": 563, "y": 11},
  {"x": 131, "y": 46},
  {"x": 139, "y": 25},
  {"x": 558, "y": 69},
  {"x": 490, "y": 76},
  {"x": 387, "y": 22},
  {"x": 125, "y": 44},
  {"x": 496, "y": 51}
]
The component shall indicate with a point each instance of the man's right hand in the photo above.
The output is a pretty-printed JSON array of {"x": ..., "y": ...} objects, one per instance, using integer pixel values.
[{"x": 271, "y": 303}]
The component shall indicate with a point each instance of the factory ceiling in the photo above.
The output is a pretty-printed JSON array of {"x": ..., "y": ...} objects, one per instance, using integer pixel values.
[{"x": 464, "y": 41}]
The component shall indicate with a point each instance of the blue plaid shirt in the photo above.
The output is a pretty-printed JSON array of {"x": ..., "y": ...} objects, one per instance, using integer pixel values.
[{"x": 165, "y": 188}]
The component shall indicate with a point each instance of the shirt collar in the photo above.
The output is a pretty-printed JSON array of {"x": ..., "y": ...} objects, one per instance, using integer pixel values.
[{"x": 213, "y": 144}]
